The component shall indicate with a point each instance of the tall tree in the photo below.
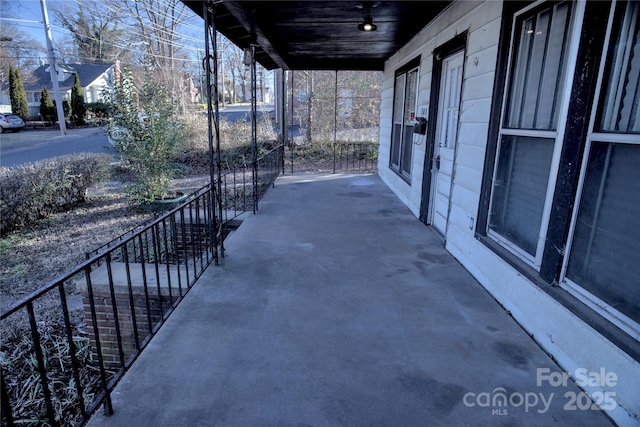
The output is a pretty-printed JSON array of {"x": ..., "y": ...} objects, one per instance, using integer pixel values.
[
  {"x": 94, "y": 29},
  {"x": 47, "y": 107},
  {"x": 78, "y": 109},
  {"x": 17, "y": 94},
  {"x": 234, "y": 63}
]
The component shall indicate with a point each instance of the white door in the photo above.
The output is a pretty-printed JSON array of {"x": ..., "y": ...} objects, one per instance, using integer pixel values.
[{"x": 445, "y": 141}]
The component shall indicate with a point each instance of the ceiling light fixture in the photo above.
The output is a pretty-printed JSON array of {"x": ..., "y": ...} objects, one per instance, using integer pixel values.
[{"x": 367, "y": 24}]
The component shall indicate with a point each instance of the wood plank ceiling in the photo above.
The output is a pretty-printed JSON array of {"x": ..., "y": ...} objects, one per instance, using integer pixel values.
[{"x": 321, "y": 35}]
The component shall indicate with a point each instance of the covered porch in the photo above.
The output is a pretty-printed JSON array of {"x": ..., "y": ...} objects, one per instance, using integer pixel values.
[{"x": 335, "y": 306}]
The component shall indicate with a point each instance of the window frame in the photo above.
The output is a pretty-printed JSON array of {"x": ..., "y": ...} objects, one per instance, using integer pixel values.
[
  {"x": 405, "y": 70},
  {"x": 619, "y": 319},
  {"x": 575, "y": 27},
  {"x": 591, "y": 46}
]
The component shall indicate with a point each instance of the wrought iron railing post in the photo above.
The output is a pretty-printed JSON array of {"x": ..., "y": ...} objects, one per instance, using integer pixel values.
[
  {"x": 72, "y": 353},
  {"x": 108, "y": 406},
  {"x": 213, "y": 111},
  {"x": 7, "y": 413},
  {"x": 114, "y": 307},
  {"x": 42, "y": 370}
]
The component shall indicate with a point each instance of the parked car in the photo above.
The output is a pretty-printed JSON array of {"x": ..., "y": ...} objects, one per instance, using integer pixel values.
[{"x": 10, "y": 122}]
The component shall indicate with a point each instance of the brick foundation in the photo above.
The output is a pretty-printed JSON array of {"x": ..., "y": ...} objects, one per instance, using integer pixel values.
[{"x": 143, "y": 307}]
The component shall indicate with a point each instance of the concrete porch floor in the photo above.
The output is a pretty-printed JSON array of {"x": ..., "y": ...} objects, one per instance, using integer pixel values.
[{"x": 335, "y": 306}]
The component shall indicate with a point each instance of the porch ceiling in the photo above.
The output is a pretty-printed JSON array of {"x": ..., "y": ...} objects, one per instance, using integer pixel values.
[{"x": 321, "y": 35}]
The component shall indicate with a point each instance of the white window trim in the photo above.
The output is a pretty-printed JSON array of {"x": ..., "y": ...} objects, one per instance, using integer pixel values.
[
  {"x": 558, "y": 135},
  {"x": 604, "y": 309},
  {"x": 614, "y": 316}
]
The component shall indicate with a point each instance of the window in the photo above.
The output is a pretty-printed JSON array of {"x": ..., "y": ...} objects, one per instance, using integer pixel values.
[
  {"x": 35, "y": 97},
  {"x": 561, "y": 189},
  {"x": 620, "y": 109},
  {"x": 404, "y": 113},
  {"x": 603, "y": 258},
  {"x": 529, "y": 137}
]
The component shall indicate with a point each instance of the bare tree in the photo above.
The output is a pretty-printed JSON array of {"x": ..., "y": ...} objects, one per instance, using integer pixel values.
[
  {"x": 66, "y": 52},
  {"x": 155, "y": 24},
  {"x": 234, "y": 63},
  {"x": 94, "y": 29},
  {"x": 17, "y": 48}
]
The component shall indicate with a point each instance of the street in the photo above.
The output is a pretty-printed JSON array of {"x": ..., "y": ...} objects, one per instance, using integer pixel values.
[
  {"x": 242, "y": 111},
  {"x": 33, "y": 145}
]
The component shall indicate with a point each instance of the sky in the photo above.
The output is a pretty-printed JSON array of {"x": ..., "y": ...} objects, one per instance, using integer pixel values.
[{"x": 27, "y": 15}]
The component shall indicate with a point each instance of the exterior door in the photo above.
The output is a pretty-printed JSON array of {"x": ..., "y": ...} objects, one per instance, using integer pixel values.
[{"x": 445, "y": 139}]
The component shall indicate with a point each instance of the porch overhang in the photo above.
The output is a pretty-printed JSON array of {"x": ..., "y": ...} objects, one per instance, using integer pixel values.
[{"x": 320, "y": 35}]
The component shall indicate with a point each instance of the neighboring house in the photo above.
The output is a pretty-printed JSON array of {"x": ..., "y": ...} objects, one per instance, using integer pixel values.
[
  {"x": 529, "y": 168},
  {"x": 93, "y": 77}
]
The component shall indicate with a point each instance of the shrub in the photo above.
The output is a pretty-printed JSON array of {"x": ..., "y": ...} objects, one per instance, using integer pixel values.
[
  {"x": 31, "y": 192},
  {"x": 47, "y": 108},
  {"x": 235, "y": 142},
  {"x": 146, "y": 131},
  {"x": 78, "y": 108},
  {"x": 18, "y": 95},
  {"x": 99, "y": 109}
]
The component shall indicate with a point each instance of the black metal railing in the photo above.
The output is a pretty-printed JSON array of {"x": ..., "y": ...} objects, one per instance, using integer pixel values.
[
  {"x": 345, "y": 157},
  {"x": 236, "y": 195},
  {"x": 268, "y": 167},
  {"x": 63, "y": 353},
  {"x": 355, "y": 157},
  {"x": 62, "y": 356},
  {"x": 242, "y": 189},
  {"x": 143, "y": 224}
]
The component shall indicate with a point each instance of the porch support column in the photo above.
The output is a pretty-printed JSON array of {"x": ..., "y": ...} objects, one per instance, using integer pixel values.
[
  {"x": 284, "y": 117},
  {"x": 254, "y": 128},
  {"x": 293, "y": 73},
  {"x": 213, "y": 117},
  {"x": 335, "y": 121}
]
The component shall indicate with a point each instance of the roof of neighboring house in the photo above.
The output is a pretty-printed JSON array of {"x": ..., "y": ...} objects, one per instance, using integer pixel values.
[{"x": 88, "y": 73}]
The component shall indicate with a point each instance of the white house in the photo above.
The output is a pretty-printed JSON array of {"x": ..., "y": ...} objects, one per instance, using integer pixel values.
[
  {"x": 530, "y": 169},
  {"x": 93, "y": 77}
]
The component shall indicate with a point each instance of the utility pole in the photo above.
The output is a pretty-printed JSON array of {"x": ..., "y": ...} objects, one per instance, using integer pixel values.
[{"x": 53, "y": 68}]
